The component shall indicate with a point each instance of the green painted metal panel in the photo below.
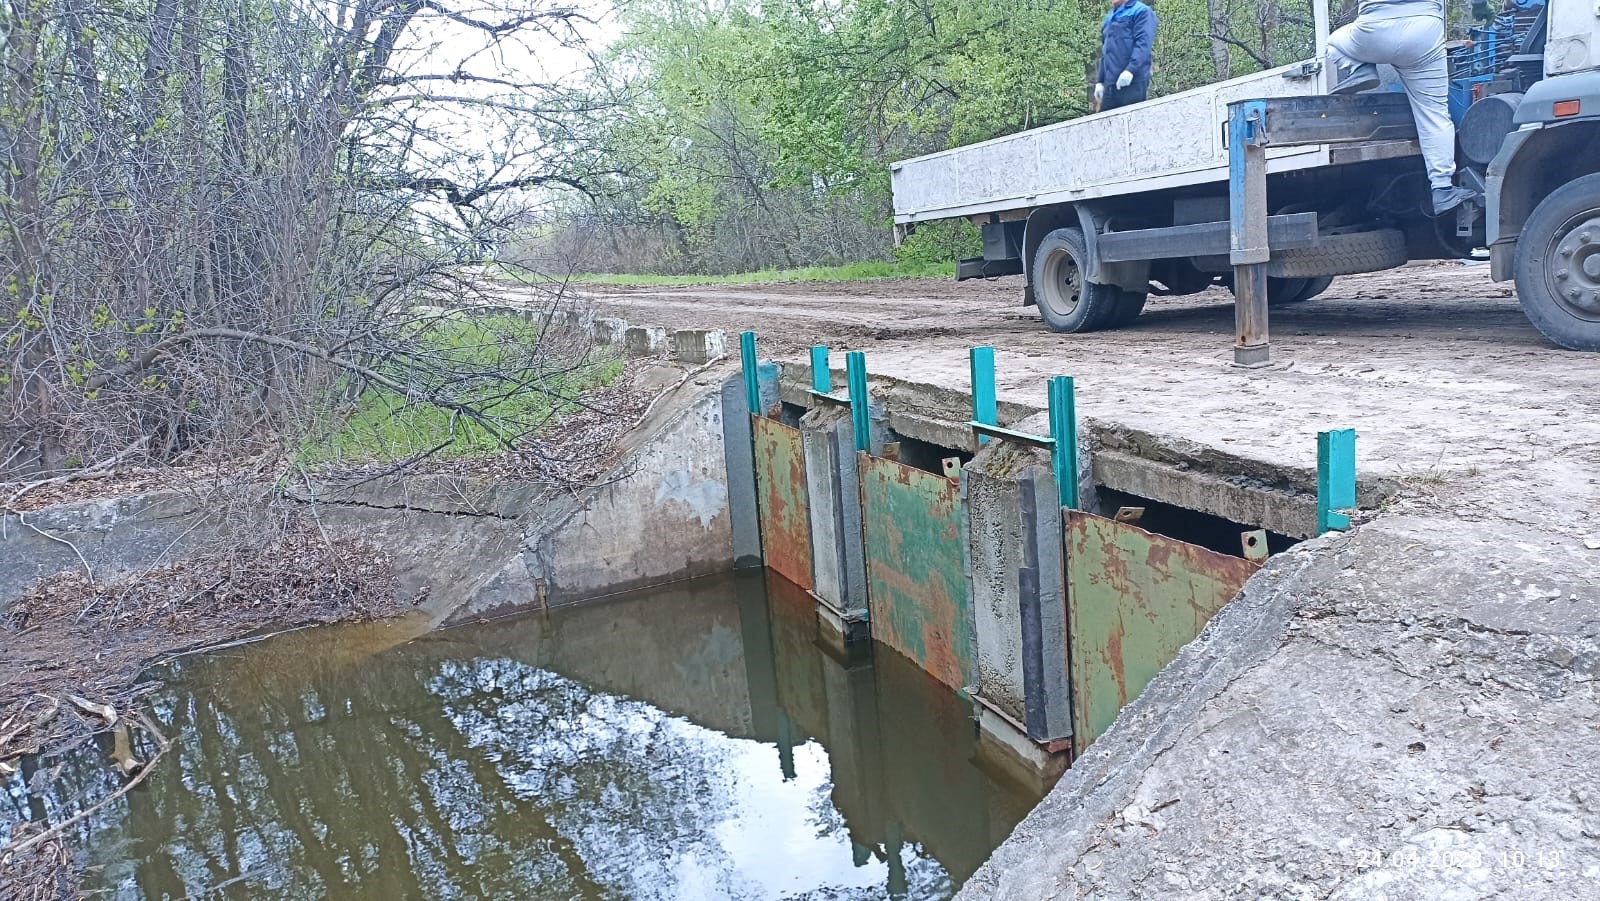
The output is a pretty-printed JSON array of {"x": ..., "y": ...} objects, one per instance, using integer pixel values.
[
  {"x": 1134, "y": 599},
  {"x": 784, "y": 508},
  {"x": 916, "y": 583}
]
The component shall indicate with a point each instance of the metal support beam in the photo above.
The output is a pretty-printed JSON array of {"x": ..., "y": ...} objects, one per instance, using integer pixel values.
[
  {"x": 1292, "y": 231},
  {"x": 1064, "y": 431},
  {"x": 1336, "y": 479},
  {"x": 1252, "y": 345},
  {"x": 1248, "y": 248},
  {"x": 821, "y": 377},
  {"x": 855, "y": 364},
  {"x": 752, "y": 377},
  {"x": 984, "y": 406},
  {"x": 1255, "y": 125},
  {"x": 1334, "y": 119}
]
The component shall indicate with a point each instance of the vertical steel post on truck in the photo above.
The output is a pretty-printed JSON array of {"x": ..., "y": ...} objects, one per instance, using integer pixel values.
[{"x": 1255, "y": 125}]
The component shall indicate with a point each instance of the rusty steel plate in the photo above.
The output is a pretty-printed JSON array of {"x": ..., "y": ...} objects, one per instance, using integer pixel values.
[
  {"x": 916, "y": 585},
  {"x": 1134, "y": 599},
  {"x": 784, "y": 510}
]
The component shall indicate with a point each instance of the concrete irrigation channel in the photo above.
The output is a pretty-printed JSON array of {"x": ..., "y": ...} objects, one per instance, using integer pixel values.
[{"x": 1247, "y": 667}]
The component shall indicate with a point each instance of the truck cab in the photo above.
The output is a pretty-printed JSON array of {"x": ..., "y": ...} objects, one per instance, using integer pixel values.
[{"x": 1542, "y": 174}]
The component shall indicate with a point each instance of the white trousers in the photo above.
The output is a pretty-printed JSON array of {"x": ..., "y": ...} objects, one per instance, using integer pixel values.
[{"x": 1414, "y": 46}]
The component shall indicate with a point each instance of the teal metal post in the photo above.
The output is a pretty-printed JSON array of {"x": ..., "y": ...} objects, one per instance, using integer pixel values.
[
  {"x": 752, "y": 377},
  {"x": 1064, "y": 433},
  {"x": 984, "y": 408},
  {"x": 821, "y": 378},
  {"x": 1336, "y": 479},
  {"x": 855, "y": 368}
]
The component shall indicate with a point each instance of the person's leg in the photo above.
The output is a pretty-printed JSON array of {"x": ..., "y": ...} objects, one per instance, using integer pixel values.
[
  {"x": 1420, "y": 62},
  {"x": 1135, "y": 92},
  {"x": 1351, "y": 59}
]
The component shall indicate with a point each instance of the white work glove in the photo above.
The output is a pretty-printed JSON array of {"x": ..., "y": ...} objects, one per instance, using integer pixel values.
[
  {"x": 1125, "y": 79},
  {"x": 1099, "y": 93}
]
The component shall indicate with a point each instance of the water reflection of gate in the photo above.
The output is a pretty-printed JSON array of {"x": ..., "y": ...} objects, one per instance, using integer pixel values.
[{"x": 901, "y": 746}]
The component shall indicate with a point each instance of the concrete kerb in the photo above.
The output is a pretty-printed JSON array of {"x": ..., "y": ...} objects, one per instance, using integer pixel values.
[{"x": 1060, "y": 830}]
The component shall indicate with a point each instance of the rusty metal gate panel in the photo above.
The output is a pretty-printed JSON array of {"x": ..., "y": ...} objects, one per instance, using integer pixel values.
[
  {"x": 916, "y": 583},
  {"x": 785, "y": 512},
  {"x": 1134, "y": 599}
]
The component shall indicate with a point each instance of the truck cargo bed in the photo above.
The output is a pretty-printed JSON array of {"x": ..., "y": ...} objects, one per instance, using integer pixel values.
[{"x": 1166, "y": 142}]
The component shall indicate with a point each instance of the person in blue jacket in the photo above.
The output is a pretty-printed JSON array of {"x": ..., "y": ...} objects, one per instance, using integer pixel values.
[{"x": 1127, "y": 35}]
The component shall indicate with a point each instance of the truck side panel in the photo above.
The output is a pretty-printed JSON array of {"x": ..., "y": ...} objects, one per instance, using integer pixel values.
[{"x": 1167, "y": 142}]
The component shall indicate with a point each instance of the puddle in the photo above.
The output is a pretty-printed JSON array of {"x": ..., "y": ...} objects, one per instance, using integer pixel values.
[{"x": 690, "y": 742}]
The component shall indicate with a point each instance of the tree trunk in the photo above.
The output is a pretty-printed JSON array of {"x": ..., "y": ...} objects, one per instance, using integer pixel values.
[{"x": 1217, "y": 15}]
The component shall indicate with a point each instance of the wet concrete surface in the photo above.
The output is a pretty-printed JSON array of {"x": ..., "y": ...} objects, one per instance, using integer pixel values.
[{"x": 686, "y": 742}]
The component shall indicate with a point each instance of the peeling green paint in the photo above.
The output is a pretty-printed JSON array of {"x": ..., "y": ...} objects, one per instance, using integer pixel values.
[{"x": 916, "y": 582}]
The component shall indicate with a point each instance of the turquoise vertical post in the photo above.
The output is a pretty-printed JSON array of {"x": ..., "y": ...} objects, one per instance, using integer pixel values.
[
  {"x": 821, "y": 378},
  {"x": 855, "y": 368},
  {"x": 1064, "y": 433},
  {"x": 752, "y": 377},
  {"x": 984, "y": 407},
  {"x": 1336, "y": 479}
]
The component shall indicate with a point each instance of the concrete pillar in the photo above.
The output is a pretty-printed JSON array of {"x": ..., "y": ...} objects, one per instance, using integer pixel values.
[
  {"x": 833, "y": 487},
  {"x": 609, "y": 330},
  {"x": 739, "y": 458},
  {"x": 699, "y": 346},
  {"x": 1018, "y": 599},
  {"x": 643, "y": 341}
]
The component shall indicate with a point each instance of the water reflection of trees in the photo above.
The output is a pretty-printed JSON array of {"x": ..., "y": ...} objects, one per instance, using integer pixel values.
[
  {"x": 413, "y": 778},
  {"x": 440, "y": 768}
]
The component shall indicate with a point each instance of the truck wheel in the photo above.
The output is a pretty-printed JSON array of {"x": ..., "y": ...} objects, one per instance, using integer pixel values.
[
  {"x": 1284, "y": 290},
  {"x": 1129, "y": 305},
  {"x": 1342, "y": 253},
  {"x": 1068, "y": 302},
  {"x": 1314, "y": 288},
  {"x": 1558, "y": 265}
]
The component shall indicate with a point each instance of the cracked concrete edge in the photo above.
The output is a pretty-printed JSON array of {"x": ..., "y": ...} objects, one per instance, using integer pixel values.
[{"x": 1061, "y": 829}]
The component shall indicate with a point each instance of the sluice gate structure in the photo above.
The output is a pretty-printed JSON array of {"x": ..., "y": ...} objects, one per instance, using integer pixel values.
[{"x": 990, "y": 556}]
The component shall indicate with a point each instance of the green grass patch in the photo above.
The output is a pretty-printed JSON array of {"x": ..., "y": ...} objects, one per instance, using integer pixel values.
[
  {"x": 849, "y": 272},
  {"x": 474, "y": 361}
]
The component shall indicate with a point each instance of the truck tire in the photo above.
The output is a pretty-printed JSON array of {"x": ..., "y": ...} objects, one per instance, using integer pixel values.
[
  {"x": 1558, "y": 265},
  {"x": 1284, "y": 290},
  {"x": 1314, "y": 288},
  {"x": 1129, "y": 305},
  {"x": 1342, "y": 253},
  {"x": 1068, "y": 302}
]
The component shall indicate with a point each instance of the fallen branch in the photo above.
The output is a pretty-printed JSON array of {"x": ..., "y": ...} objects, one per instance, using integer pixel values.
[{"x": 57, "y": 829}]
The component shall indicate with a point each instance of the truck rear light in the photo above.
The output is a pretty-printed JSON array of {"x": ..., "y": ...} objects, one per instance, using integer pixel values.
[{"x": 1566, "y": 108}]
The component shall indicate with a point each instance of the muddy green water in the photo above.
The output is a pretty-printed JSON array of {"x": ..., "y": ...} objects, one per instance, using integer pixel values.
[{"x": 682, "y": 743}]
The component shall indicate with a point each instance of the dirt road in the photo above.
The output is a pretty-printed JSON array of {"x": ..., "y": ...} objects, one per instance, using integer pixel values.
[{"x": 1451, "y": 389}]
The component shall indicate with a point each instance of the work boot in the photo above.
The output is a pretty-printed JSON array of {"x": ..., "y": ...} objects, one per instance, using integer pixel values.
[
  {"x": 1356, "y": 78},
  {"x": 1447, "y": 199}
]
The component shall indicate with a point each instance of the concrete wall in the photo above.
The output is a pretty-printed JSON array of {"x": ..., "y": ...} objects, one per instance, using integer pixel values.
[
  {"x": 663, "y": 515},
  {"x": 443, "y": 543},
  {"x": 472, "y": 546}
]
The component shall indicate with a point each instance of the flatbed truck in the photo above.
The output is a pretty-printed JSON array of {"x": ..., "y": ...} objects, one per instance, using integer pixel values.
[{"x": 1268, "y": 185}]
